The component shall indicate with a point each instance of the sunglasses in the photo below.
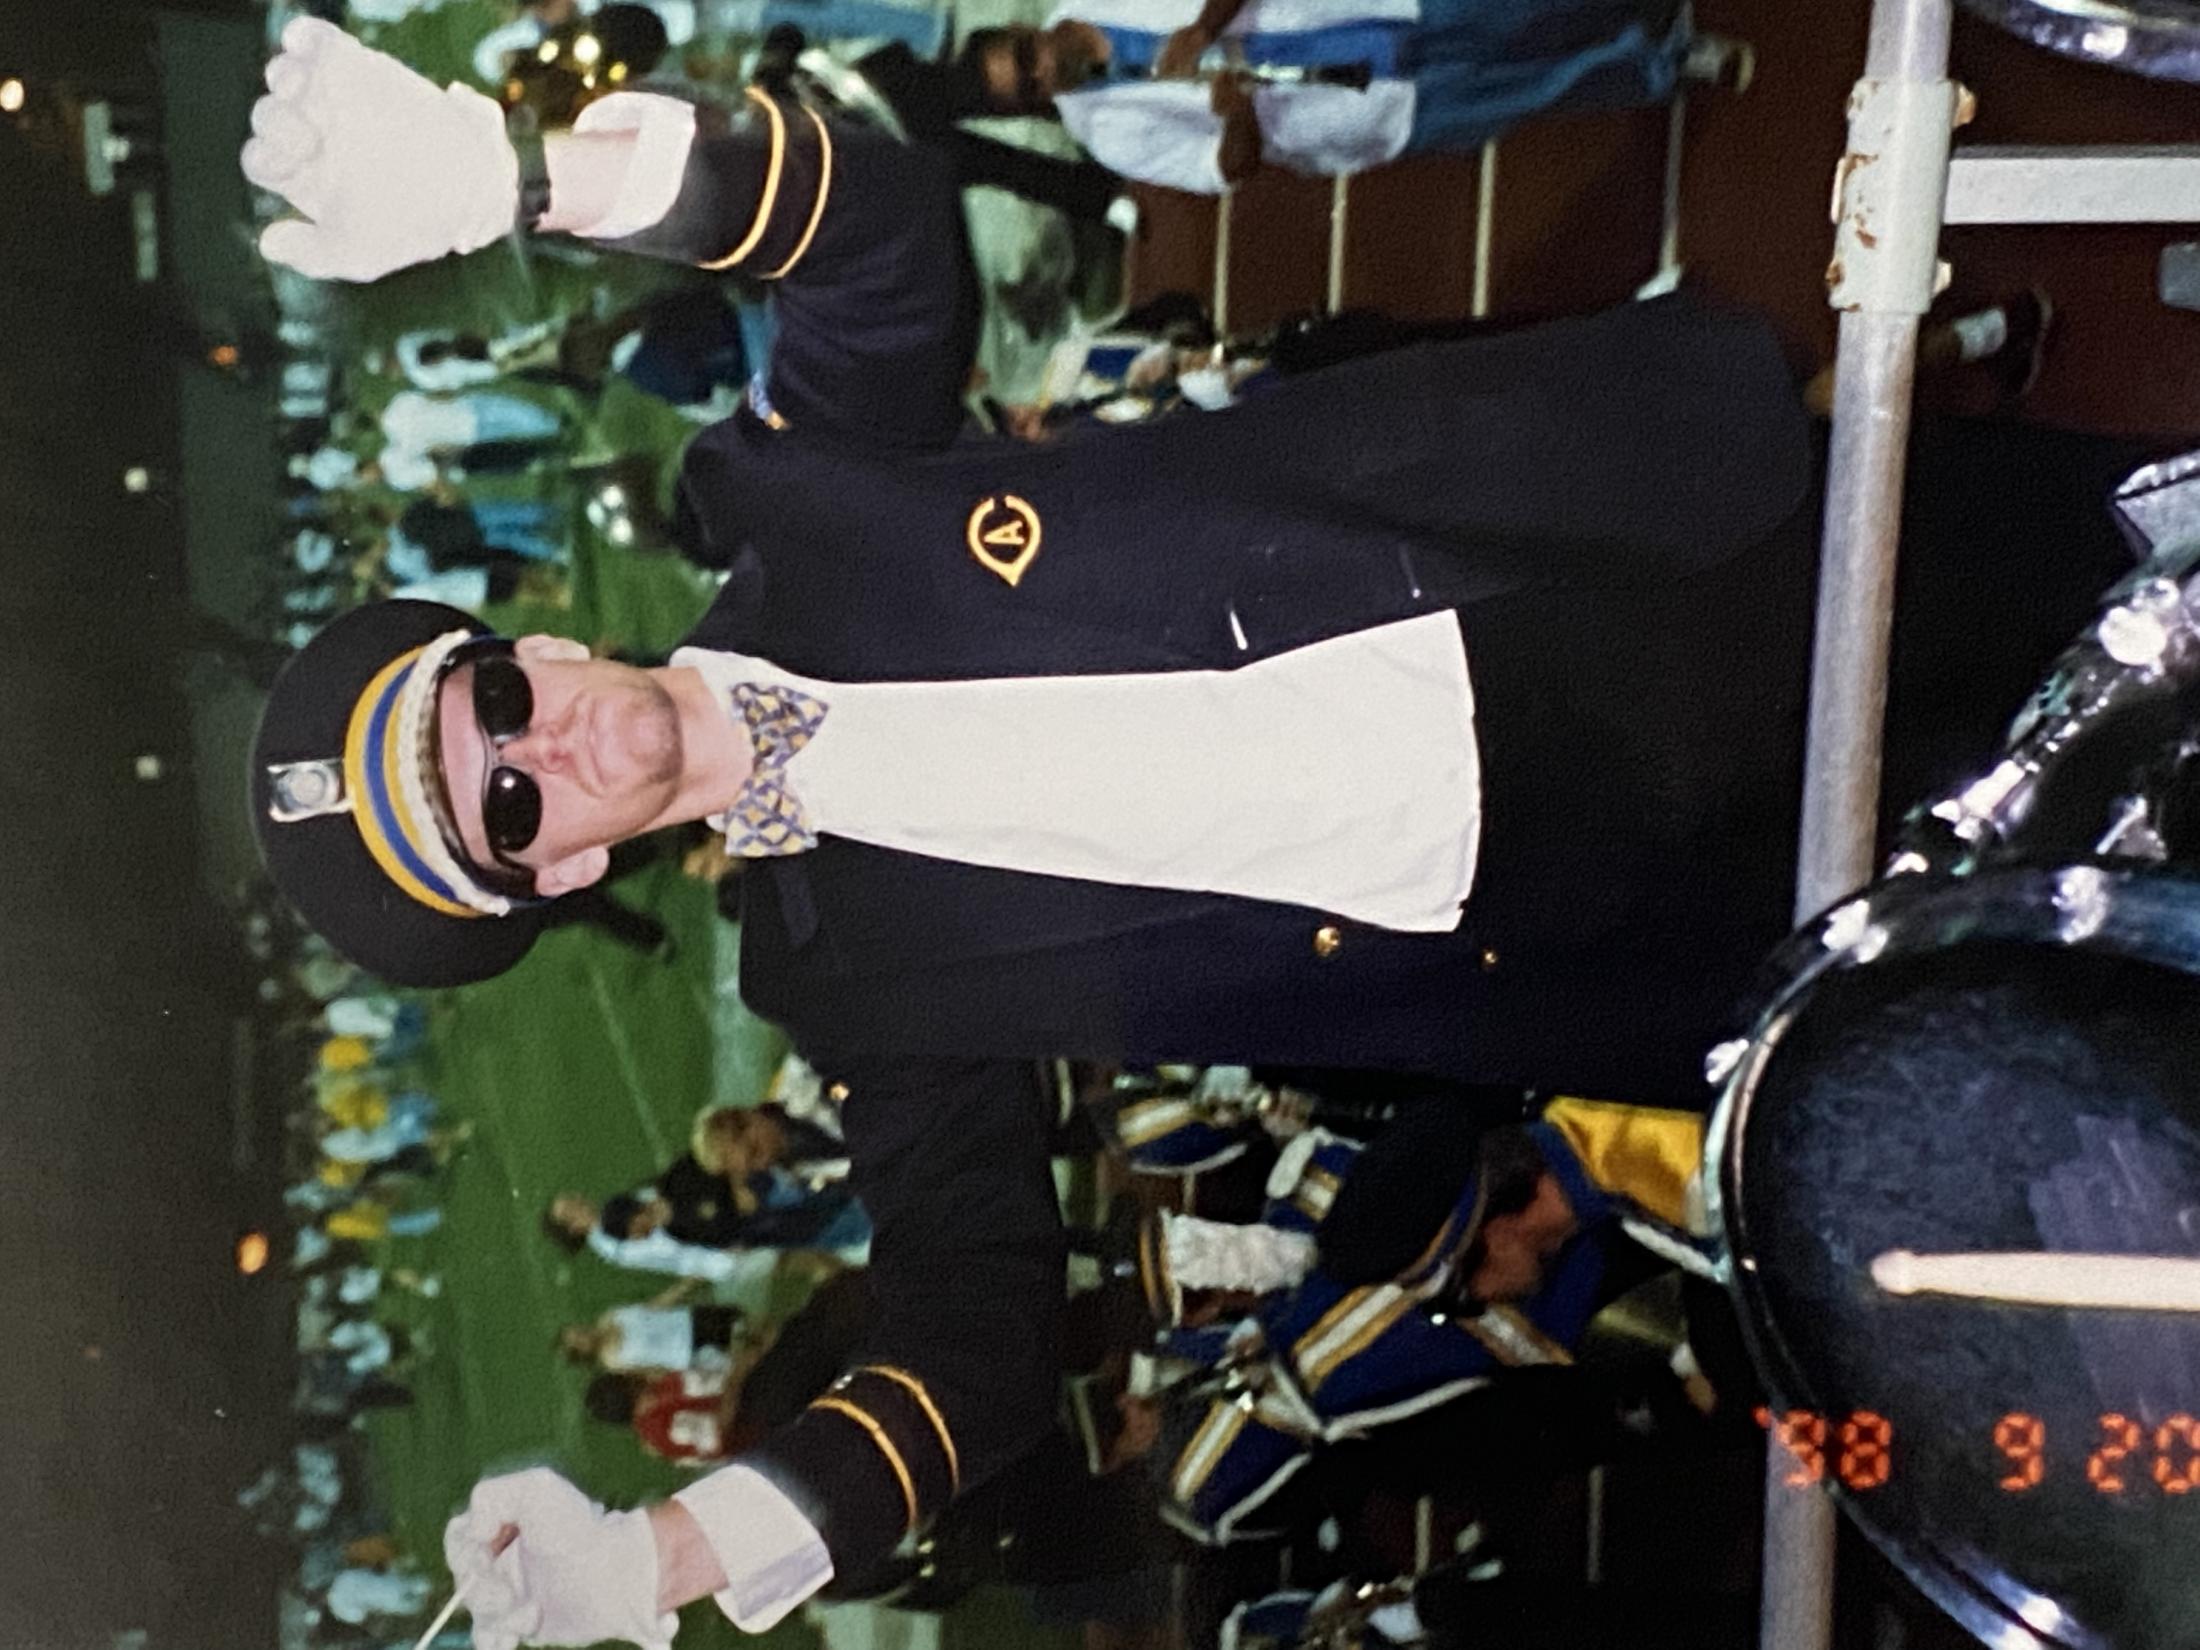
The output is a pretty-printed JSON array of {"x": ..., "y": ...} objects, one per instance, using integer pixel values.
[{"x": 511, "y": 801}]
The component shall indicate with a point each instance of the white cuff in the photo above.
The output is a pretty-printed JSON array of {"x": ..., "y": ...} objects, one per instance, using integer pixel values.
[
  {"x": 664, "y": 131},
  {"x": 772, "y": 1557},
  {"x": 1289, "y": 1167}
]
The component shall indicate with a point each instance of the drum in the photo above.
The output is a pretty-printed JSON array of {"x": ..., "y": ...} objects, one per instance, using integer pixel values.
[
  {"x": 2160, "y": 38},
  {"x": 2104, "y": 759},
  {"x": 2005, "y": 1062},
  {"x": 1996, "y": 1049}
]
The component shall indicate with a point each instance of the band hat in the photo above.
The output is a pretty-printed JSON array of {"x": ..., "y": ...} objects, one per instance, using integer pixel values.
[
  {"x": 347, "y": 802},
  {"x": 1412, "y": 1204}
]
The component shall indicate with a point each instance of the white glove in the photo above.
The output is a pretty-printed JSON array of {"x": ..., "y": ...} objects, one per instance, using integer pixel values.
[
  {"x": 386, "y": 170},
  {"x": 574, "y": 1575}
]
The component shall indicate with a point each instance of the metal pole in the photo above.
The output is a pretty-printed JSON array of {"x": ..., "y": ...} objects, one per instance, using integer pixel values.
[
  {"x": 1848, "y": 690},
  {"x": 1340, "y": 205},
  {"x": 1669, "y": 235},
  {"x": 1874, "y": 370},
  {"x": 1485, "y": 231},
  {"x": 1218, "y": 304}
]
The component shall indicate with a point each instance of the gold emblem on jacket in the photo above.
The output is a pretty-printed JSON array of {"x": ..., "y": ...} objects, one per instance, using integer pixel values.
[{"x": 1003, "y": 533}]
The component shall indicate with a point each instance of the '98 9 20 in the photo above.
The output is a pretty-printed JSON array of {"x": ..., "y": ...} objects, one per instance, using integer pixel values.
[{"x": 2122, "y": 1456}]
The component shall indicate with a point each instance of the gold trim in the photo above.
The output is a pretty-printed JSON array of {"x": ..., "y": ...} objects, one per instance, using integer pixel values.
[
  {"x": 1145, "y": 1121},
  {"x": 824, "y": 188},
  {"x": 770, "y": 197},
  {"x": 1507, "y": 1333},
  {"x": 1316, "y": 1193},
  {"x": 1378, "y": 1324},
  {"x": 1205, "y": 1451},
  {"x": 1345, "y": 1307},
  {"x": 1645, "y": 1153},
  {"x": 915, "y": 1389},
  {"x": 886, "y": 1447},
  {"x": 356, "y": 758},
  {"x": 1155, "y": 1302},
  {"x": 1453, "y": 1239},
  {"x": 976, "y": 538}
]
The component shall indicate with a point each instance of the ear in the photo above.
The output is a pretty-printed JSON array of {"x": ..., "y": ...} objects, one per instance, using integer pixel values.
[
  {"x": 573, "y": 873},
  {"x": 549, "y": 650}
]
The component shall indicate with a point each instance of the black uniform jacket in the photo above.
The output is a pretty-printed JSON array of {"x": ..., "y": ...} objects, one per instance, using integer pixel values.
[
  {"x": 1610, "y": 503},
  {"x": 957, "y": 1373},
  {"x": 1602, "y": 501}
]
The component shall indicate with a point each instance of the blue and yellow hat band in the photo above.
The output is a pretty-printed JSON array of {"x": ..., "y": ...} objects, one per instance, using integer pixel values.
[{"x": 386, "y": 752}]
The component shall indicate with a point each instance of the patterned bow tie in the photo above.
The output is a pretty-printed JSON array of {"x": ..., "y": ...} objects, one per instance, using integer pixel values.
[{"x": 766, "y": 819}]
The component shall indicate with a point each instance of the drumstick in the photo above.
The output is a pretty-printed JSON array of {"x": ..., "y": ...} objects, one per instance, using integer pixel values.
[
  {"x": 442, "y": 1617},
  {"x": 2134, "y": 1283},
  {"x": 505, "y": 1537}
]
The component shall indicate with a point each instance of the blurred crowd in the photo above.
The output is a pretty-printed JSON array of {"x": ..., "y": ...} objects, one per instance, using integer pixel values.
[{"x": 366, "y": 1150}]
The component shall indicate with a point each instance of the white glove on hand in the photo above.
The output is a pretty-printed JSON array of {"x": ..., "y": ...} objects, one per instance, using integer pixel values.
[
  {"x": 574, "y": 1575},
  {"x": 386, "y": 170}
]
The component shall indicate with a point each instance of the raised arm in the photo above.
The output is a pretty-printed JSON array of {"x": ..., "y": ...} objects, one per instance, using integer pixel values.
[
  {"x": 860, "y": 234},
  {"x": 956, "y": 1379},
  {"x": 864, "y": 235}
]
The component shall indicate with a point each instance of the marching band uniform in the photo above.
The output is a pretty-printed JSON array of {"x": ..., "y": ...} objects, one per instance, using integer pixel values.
[
  {"x": 867, "y": 575},
  {"x": 1165, "y": 1125},
  {"x": 1338, "y": 1358},
  {"x": 1579, "y": 495},
  {"x": 1610, "y": 784},
  {"x": 858, "y": 565}
]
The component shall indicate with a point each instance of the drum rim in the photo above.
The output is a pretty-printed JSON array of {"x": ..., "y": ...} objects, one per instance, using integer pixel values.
[
  {"x": 2139, "y": 913},
  {"x": 2159, "y": 48}
]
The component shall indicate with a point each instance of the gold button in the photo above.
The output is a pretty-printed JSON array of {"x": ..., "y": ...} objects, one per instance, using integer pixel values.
[
  {"x": 1489, "y": 959},
  {"x": 1327, "y": 940},
  {"x": 837, "y": 1093}
]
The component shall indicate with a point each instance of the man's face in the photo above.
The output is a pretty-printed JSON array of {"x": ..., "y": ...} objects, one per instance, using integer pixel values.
[
  {"x": 575, "y": 1214},
  {"x": 1517, "y": 1249},
  {"x": 602, "y": 745}
]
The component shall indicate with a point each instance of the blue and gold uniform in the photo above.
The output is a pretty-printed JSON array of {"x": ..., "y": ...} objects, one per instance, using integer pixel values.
[{"x": 1342, "y": 1356}]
